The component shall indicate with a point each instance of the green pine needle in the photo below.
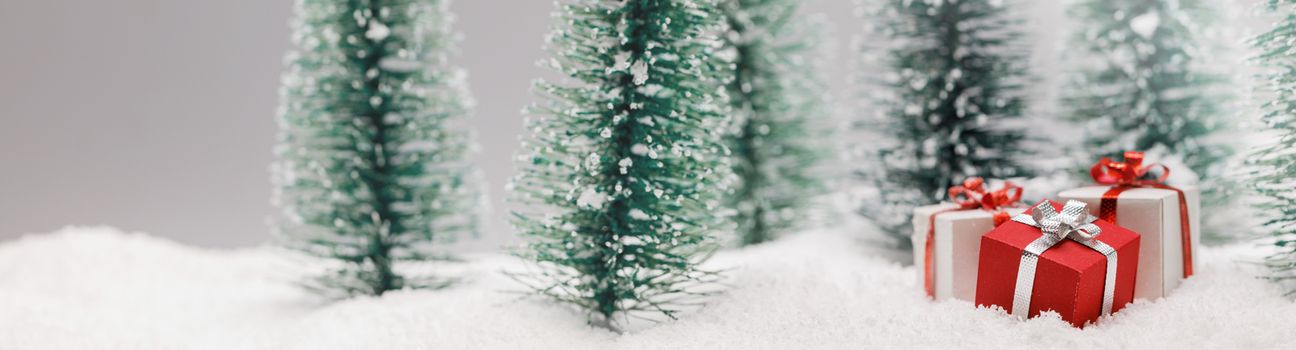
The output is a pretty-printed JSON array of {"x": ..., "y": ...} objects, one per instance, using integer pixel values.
[
  {"x": 624, "y": 171},
  {"x": 371, "y": 173}
]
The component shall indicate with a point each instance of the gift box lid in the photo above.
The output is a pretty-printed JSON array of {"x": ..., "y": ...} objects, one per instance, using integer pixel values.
[
  {"x": 1135, "y": 194},
  {"x": 1069, "y": 253},
  {"x": 948, "y": 211}
]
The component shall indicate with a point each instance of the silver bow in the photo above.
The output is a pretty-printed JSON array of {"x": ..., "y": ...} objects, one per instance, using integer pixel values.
[{"x": 1074, "y": 223}]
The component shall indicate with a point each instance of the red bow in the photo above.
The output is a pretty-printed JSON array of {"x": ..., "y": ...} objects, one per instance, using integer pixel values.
[
  {"x": 971, "y": 195},
  {"x": 1129, "y": 174}
]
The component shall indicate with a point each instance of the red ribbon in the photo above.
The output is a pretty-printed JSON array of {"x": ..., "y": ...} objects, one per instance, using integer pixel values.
[
  {"x": 1130, "y": 174},
  {"x": 970, "y": 196}
]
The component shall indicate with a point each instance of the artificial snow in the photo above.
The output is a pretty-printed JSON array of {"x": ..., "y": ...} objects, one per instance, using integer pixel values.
[
  {"x": 639, "y": 215},
  {"x": 99, "y": 288},
  {"x": 640, "y": 72},
  {"x": 377, "y": 31},
  {"x": 591, "y": 198},
  {"x": 1145, "y": 25},
  {"x": 639, "y": 149}
]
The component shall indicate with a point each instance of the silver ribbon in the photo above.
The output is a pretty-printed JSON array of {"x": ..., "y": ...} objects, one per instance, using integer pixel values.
[{"x": 1074, "y": 223}]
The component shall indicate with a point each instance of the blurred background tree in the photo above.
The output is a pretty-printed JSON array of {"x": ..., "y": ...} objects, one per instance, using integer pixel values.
[
  {"x": 780, "y": 103},
  {"x": 1144, "y": 83},
  {"x": 947, "y": 106},
  {"x": 1273, "y": 166}
]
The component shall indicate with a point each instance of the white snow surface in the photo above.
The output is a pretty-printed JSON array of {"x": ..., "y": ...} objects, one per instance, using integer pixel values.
[{"x": 100, "y": 288}]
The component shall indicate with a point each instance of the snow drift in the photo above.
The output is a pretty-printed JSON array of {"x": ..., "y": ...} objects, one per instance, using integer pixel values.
[{"x": 99, "y": 288}]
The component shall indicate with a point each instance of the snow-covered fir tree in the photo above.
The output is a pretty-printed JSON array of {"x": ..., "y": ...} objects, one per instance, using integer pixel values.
[
  {"x": 778, "y": 98},
  {"x": 372, "y": 172},
  {"x": 1145, "y": 82},
  {"x": 1141, "y": 83},
  {"x": 1273, "y": 166},
  {"x": 944, "y": 106},
  {"x": 626, "y": 167}
]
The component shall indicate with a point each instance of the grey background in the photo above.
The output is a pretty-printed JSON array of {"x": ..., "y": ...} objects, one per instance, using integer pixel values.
[{"x": 158, "y": 115}]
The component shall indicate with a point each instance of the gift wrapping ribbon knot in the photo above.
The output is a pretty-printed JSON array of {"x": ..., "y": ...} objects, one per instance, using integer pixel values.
[
  {"x": 1073, "y": 223},
  {"x": 970, "y": 195},
  {"x": 1132, "y": 173}
]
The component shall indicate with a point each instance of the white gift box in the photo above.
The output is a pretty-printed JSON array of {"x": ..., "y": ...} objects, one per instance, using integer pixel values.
[
  {"x": 958, "y": 241},
  {"x": 1154, "y": 214}
]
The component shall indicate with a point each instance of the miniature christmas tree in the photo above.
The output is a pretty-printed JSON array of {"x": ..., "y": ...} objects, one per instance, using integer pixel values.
[
  {"x": 1273, "y": 166},
  {"x": 1152, "y": 89},
  {"x": 945, "y": 106},
  {"x": 1148, "y": 91},
  {"x": 776, "y": 96},
  {"x": 371, "y": 173},
  {"x": 626, "y": 166}
]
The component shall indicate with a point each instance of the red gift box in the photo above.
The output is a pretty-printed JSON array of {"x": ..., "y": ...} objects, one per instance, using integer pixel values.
[{"x": 1069, "y": 277}]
